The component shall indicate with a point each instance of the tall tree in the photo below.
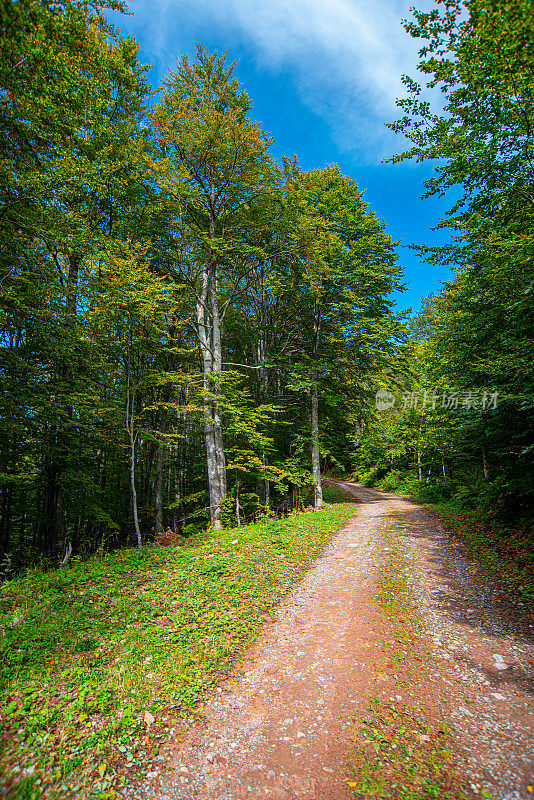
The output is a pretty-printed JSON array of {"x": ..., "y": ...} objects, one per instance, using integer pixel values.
[{"x": 215, "y": 169}]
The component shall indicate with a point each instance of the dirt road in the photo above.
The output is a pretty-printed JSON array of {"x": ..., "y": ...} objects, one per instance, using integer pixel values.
[{"x": 282, "y": 728}]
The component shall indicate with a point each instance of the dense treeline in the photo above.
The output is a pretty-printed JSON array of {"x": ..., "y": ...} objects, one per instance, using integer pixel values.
[
  {"x": 186, "y": 325},
  {"x": 463, "y": 421},
  {"x": 191, "y": 331}
]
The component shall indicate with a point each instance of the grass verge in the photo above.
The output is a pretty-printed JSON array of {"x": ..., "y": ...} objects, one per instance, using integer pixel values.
[
  {"x": 401, "y": 751},
  {"x": 508, "y": 552},
  {"x": 97, "y": 660}
]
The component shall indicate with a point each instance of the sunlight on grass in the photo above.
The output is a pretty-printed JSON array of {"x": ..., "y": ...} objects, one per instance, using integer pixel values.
[{"x": 87, "y": 652}]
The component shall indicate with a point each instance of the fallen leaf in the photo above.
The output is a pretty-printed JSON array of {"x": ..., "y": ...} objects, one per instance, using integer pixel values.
[
  {"x": 149, "y": 719},
  {"x": 352, "y": 784},
  {"x": 102, "y": 768}
]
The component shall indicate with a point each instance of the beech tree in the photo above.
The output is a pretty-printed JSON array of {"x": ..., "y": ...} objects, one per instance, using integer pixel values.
[
  {"x": 214, "y": 169},
  {"x": 159, "y": 280}
]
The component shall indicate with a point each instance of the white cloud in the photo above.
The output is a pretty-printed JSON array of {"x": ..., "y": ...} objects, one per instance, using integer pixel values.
[{"x": 345, "y": 57}]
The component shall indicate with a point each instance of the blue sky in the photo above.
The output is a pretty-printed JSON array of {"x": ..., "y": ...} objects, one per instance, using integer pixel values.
[{"x": 323, "y": 76}]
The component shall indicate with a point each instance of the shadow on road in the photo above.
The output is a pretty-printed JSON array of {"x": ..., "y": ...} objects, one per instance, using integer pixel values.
[{"x": 463, "y": 591}]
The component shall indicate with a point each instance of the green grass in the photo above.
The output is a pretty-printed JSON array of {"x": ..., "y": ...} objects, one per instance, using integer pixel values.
[
  {"x": 336, "y": 494},
  {"x": 96, "y": 661}
]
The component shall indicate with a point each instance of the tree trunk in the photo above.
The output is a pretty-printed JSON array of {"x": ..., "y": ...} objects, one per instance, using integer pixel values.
[
  {"x": 264, "y": 489},
  {"x": 53, "y": 511},
  {"x": 237, "y": 507},
  {"x": 159, "y": 473},
  {"x": 419, "y": 454},
  {"x": 133, "y": 489},
  {"x": 314, "y": 408},
  {"x": 130, "y": 427},
  {"x": 217, "y": 367},
  {"x": 266, "y": 486},
  {"x": 485, "y": 465},
  {"x": 212, "y": 422},
  {"x": 315, "y": 451}
]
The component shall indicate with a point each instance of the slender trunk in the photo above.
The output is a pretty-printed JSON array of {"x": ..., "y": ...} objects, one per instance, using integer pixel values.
[
  {"x": 178, "y": 480},
  {"x": 444, "y": 468},
  {"x": 5, "y": 520},
  {"x": 207, "y": 403},
  {"x": 419, "y": 454},
  {"x": 237, "y": 507},
  {"x": 263, "y": 387},
  {"x": 314, "y": 409},
  {"x": 53, "y": 512},
  {"x": 485, "y": 465},
  {"x": 133, "y": 489},
  {"x": 209, "y": 334},
  {"x": 266, "y": 485},
  {"x": 315, "y": 451},
  {"x": 159, "y": 473},
  {"x": 217, "y": 367},
  {"x": 130, "y": 427},
  {"x": 54, "y": 534}
]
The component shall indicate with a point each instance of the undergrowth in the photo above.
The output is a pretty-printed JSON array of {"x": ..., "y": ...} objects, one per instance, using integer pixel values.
[
  {"x": 97, "y": 661},
  {"x": 508, "y": 552}
]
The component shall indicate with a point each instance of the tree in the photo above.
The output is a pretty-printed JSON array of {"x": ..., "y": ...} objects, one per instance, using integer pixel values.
[
  {"x": 215, "y": 169},
  {"x": 479, "y": 54},
  {"x": 70, "y": 111},
  {"x": 350, "y": 273}
]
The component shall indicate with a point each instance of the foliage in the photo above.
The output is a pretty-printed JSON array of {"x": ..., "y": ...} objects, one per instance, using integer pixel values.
[
  {"x": 474, "y": 339},
  {"x": 155, "y": 291}
]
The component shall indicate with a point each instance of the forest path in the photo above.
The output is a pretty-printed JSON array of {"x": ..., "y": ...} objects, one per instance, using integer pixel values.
[{"x": 282, "y": 728}]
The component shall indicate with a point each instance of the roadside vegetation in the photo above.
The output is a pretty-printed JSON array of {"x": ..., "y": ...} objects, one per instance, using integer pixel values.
[
  {"x": 100, "y": 660},
  {"x": 452, "y": 422}
]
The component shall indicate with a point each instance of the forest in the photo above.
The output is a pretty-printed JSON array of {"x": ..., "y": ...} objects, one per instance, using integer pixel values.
[{"x": 193, "y": 333}]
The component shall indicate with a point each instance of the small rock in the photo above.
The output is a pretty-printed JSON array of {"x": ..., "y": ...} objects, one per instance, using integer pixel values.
[
  {"x": 184, "y": 769},
  {"x": 210, "y": 757}
]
